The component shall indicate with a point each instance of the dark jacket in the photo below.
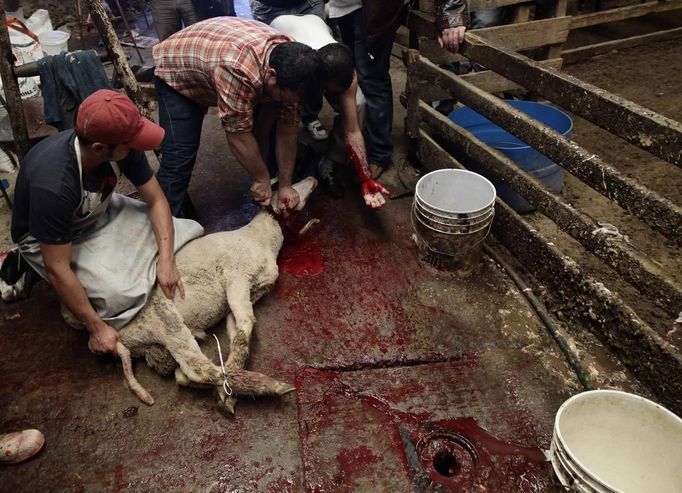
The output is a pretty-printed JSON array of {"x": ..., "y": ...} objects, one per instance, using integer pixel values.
[{"x": 382, "y": 17}]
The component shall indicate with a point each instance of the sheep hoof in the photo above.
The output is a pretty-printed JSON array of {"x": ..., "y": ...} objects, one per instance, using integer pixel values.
[
  {"x": 228, "y": 406},
  {"x": 141, "y": 393},
  {"x": 226, "y": 403},
  {"x": 181, "y": 378},
  {"x": 284, "y": 388}
]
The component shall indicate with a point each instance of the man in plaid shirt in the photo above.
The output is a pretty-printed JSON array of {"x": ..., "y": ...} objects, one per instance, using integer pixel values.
[{"x": 237, "y": 65}]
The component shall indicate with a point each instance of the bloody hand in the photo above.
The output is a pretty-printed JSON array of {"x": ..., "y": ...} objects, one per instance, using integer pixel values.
[{"x": 373, "y": 192}]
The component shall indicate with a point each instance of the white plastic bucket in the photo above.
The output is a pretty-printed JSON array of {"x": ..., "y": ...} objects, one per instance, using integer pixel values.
[
  {"x": 456, "y": 192},
  {"x": 54, "y": 42},
  {"x": 451, "y": 215},
  {"x": 607, "y": 441}
]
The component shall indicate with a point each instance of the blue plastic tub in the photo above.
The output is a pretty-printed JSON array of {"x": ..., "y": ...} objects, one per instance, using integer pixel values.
[{"x": 518, "y": 151}]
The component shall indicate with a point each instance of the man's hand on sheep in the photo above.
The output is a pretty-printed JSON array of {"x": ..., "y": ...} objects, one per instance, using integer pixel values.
[
  {"x": 169, "y": 278},
  {"x": 451, "y": 38},
  {"x": 373, "y": 192},
  {"x": 261, "y": 191},
  {"x": 287, "y": 200},
  {"x": 103, "y": 339}
]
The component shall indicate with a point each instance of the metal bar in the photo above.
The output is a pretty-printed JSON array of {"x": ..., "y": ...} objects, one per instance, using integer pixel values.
[
  {"x": 129, "y": 31},
  {"x": 656, "y": 211},
  {"x": 639, "y": 272},
  {"x": 15, "y": 107},
  {"x": 79, "y": 19},
  {"x": 30, "y": 69},
  {"x": 640, "y": 126},
  {"x": 584, "y": 300}
]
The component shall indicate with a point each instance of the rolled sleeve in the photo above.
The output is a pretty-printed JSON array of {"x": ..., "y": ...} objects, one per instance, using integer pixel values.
[{"x": 236, "y": 99}]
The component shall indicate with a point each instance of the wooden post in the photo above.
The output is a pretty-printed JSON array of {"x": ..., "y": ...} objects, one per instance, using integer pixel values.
[
  {"x": 15, "y": 108},
  {"x": 118, "y": 56},
  {"x": 412, "y": 93}
]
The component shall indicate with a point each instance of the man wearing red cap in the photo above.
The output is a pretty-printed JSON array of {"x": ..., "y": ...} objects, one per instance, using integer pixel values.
[{"x": 96, "y": 247}]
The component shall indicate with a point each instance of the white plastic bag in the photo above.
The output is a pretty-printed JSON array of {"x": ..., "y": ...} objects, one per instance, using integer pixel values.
[{"x": 26, "y": 48}]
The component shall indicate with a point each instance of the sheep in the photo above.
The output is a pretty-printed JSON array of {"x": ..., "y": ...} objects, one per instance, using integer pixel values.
[{"x": 223, "y": 275}]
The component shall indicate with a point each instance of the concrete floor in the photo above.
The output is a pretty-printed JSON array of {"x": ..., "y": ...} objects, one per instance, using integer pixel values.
[
  {"x": 398, "y": 369},
  {"x": 406, "y": 379}
]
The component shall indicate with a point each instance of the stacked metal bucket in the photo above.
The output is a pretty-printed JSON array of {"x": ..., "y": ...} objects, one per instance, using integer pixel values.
[{"x": 452, "y": 213}]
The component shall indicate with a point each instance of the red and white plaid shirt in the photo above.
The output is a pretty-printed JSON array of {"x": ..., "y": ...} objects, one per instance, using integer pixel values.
[{"x": 222, "y": 61}]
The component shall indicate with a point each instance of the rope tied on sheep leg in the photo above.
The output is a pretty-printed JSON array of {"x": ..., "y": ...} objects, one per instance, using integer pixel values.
[{"x": 226, "y": 386}]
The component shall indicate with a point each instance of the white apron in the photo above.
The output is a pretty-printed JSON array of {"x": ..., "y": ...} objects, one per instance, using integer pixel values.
[{"x": 114, "y": 253}]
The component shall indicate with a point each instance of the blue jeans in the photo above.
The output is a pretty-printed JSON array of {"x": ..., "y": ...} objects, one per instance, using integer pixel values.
[
  {"x": 181, "y": 118},
  {"x": 266, "y": 14},
  {"x": 372, "y": 65}
]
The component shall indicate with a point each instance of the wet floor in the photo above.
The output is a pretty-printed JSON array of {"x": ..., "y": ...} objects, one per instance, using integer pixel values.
[
  {"x": 384, "y": 354},
  {"x": 406, "y": 379}
]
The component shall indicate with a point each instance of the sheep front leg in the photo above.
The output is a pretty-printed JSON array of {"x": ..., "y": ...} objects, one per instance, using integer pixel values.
[{"x": 239, "y": 299}]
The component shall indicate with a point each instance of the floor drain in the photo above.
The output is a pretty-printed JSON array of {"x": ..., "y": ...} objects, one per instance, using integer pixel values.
[
  {"x": 445, "y": 463},
  {"x": 447, "y": 456}
]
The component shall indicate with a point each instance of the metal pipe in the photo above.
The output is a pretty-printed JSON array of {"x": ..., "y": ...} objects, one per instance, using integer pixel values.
[
  {"x": 30, "y": 69},
  {"x": 125, "y": 22}
]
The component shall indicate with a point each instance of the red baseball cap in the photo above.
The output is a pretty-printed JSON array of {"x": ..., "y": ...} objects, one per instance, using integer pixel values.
[{"x": 110, "y": 117}]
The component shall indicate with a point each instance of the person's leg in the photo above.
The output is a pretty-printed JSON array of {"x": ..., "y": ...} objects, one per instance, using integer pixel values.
[
  {"x": 181, "y": 118},
  {"x": 265, "y": 13},
  {"x": 187, "y": 12},
  {"x": 166, "y": 18},
  {"x": 372, "y": 66}
]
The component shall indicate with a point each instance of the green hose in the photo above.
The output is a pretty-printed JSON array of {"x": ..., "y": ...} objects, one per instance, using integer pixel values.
[{"x": 570, "y": 355}]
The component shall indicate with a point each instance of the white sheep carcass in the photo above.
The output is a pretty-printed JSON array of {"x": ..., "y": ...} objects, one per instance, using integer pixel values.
[{"x": 223, "y": 275}]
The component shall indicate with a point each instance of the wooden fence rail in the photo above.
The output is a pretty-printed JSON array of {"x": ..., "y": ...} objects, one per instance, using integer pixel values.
[
  {"x": 586, "y": 301},
  {"x": 640, "y": 126},
  {"x": 640, "y": 272},
  {"x": 658, "y": 212}
]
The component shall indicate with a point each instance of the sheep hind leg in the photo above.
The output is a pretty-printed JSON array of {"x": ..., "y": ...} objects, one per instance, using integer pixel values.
[
  {"x": 197, "y": 369},
  {"x": 228, "y": 402},
  {"x": 239, "y": 323}
]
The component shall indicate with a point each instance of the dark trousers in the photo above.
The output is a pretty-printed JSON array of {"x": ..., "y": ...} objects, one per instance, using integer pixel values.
[
  {"x": 181, "y": 118},
  {"x": 372, "y": 66},
  {"x": 172, "y": 15}
]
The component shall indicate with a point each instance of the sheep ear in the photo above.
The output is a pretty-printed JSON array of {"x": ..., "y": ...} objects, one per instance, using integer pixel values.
[{"x": 305, "y": 189}]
